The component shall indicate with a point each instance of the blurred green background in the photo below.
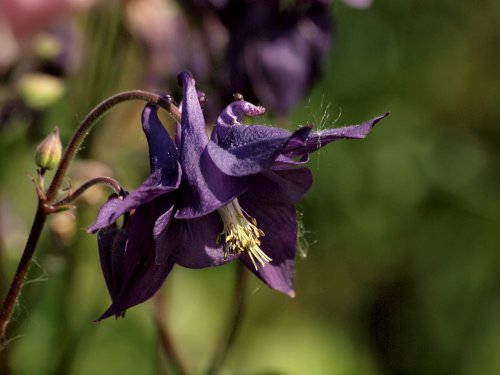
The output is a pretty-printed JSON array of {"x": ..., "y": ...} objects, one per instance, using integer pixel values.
[{"x": 402, "y": 270}]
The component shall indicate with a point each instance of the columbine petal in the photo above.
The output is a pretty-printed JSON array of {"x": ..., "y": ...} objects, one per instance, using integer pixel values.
[
  {"x": 111, "y": 242},
  {"x": 163, "y": 249},
  {"x": 253, "y": 157},
  {"x": 316, "y": 140},
  {"x": 194, "y": 241},
  {"x": 141, "y": 277},
  {"x": 152, "y": 188},
  {"x": 105, "y": 213},
  {"x": 165, "y": 173},
  {"x": 228, "y": 134},
  {"x": 280, "y": 186},
  {"x": 280, "y": 227},
  {"x": 204, "y": 187},
  {"x": 234, "y": 112}
]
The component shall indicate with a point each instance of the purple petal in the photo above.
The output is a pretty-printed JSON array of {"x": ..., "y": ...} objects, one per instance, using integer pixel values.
[
  {"x": 316, "y": 140},
  {"x": 194, "y": 241},
  {"x": 253, "y": 157},
  {"x": 161, "y": 226},
  {"x": 162, "y": 150},
  {"x": 165, "y": 172},
  {"x": 229, "y": 137},
  {"x": 111, "y": 243},
  {"x": 280, "y": 227},
  {"x": 204, "y": 187},
  {"x": 160, "y": 182},
  {"x": 141, "y": 276},
  {"x": 279, "y": 186},
  {"x": 105, "y": 212},
  {"x": 285, "y": 162},
  {"x": 234, "y": 112}
]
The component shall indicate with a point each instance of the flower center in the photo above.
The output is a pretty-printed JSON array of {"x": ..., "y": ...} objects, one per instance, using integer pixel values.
[{"x": 240, "y": 234}]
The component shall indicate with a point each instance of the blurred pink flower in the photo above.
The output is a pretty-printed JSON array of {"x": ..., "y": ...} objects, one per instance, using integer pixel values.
[
  {"x": 20, "y": 20},
  {"x": 26, "y": 17}
]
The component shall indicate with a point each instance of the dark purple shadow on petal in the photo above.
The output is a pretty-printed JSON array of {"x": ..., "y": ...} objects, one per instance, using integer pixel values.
[
  {"x": 163, "y": 248},
  {"x": 111, "y": 243},
  {"x": 194, "y": 241},
  {"x": 280, "y": 227},
  {"x": 141, "y": 276},
  {"x": 316, "y": 140},
  {"x": 279, "y": 186},
  {"x": 199, "y": 196}
]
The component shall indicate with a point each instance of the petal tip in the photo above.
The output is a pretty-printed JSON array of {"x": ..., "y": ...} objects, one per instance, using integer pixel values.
[{"x": 184, "y": 78}]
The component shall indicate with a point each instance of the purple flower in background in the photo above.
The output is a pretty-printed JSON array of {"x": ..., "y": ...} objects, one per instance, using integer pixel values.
[
  {"x": 275, "y": 54},
  {"x": 271, "y": 51},
  {"x": 233, "y": 200}
]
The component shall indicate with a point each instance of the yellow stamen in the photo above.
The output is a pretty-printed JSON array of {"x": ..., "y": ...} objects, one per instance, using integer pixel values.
[{"x": 240, "y": 234}]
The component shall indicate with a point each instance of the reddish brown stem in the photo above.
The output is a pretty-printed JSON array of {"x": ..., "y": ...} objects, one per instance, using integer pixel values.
[
  {"x": 45, "y": 200},
  {"x": 90, "y": 120},
  {"x": 22, "y": 269}
]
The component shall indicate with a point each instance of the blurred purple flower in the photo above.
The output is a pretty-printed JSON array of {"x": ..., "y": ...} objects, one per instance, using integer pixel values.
[
  {"x": 235, "y": 199},
  {"x": 275, "y": 54},
  {"x": 238, "y": 46}
]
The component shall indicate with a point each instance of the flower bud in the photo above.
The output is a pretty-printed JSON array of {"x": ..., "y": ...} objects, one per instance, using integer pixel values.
[{"x": 48, "y": 153}]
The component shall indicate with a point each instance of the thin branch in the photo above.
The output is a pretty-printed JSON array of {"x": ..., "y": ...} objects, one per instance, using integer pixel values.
[
  {"x": 101, "y": 180},
  {"x": 90, "y": 120}
]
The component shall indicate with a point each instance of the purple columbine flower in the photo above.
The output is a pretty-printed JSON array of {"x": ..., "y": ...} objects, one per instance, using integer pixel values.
[
  {"x": 235, "y": 200},
  {"x": 127, "y": 253}
]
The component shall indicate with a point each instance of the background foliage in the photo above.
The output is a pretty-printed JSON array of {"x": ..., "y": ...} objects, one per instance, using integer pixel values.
[{"x": 402, "y": 270}]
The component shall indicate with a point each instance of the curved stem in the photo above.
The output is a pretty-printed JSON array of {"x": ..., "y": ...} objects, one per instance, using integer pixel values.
[
  {"x": 101, "y": 180},
  {"x": 234, "y": 322},
  {"x": 90, "y": 120},
  {"x": 22, "y": 269},
  {"x": 44, "y": 201}
]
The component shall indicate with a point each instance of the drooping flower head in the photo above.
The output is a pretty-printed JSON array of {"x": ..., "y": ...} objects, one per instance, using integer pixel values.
[{"x": 211, "y": 200}]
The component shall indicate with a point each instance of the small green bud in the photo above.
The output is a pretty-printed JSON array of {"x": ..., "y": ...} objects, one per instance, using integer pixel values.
[{"x": 48, "y": 153}]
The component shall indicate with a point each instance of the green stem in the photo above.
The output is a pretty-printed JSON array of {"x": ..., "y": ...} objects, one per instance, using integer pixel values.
[
  {"x": 234, "y": 322},
  {"x": 88, "y": 123}
]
